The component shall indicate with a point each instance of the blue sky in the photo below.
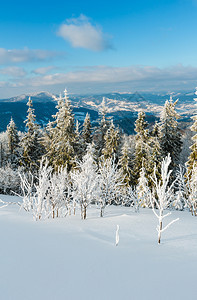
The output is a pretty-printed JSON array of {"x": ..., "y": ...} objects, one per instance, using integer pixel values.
[{"x": 97, "y": 46}]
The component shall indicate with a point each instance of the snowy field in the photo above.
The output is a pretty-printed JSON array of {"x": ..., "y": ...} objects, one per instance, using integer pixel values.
[{"x": 76, "y": 259}]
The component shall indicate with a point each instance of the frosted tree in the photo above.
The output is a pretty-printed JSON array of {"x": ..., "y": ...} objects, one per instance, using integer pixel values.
[
  {"x": 181, "y": 191},
  {"x": 60, "y": 192},
  {"x": 59, "y": 138},
  {"x": 36, "y": 196},
  {"x": 13, "y": 144},
  {"x": 142, "y": 189},
  {"x": 77, "y": 133},
  {"x": 78, "y": 145},
  {"x": 3, "y": 148},
  {"x": 86, "y": 133},
  {"x": 111, "y": 183},
  {"x": 155, "y": 132},
  {"x": 101, "y": 130},
  {"x": 50, "y": 196},
  {"x": 193, "y": 155},
  {"x": 41, "y": 200},
  {"x": 131, "y": 198},
  {"x": 47, "y": 138},
  {"x": 125, "y": 163},
  {"x": 30, "y": 143},
  {"x": 85, "y": 182},
  {"x": 27, "y": 190},
  {"x": 192, "y": 189},
  {"x": 170, "y": 139},
  {"x": 154, "y": 153},
  {"x": 187, "y": 143},
  {"x": 141, "y": 144},
  {"x": 162, "y": 196},
  {"x": 111, "y": 142},
  {"x": 9, "y": 180}
]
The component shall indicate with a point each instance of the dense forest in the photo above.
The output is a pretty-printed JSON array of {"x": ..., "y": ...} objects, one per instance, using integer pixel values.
[{"x": 65, "y": 165}]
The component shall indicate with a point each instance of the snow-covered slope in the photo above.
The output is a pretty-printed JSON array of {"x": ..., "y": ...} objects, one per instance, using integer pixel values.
[
  {"x": 74, "y": 259},
  {"x": 133, "y": 102},
  {"x": 123, "y": 107}
]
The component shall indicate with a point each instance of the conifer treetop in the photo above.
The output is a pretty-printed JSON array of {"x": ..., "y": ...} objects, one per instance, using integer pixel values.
[
  {"x": 141, "y": 125},
  {"x": 169, "y": 112},
  {"x": 31, "y": 118},
  {"x": 170, "y": 136}
]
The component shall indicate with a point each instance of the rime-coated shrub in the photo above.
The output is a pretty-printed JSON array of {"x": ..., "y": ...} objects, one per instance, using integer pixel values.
[{"x": 9, "y": 180}]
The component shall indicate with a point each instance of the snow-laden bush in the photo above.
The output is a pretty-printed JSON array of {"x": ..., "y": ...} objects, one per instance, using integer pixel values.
[
  {"x": 27, "y": 186},
  {"x": 41, "y": 196},
  {"x": 35, "y": 196},
  {"x": 85, "y": 182},
  {"x": 9, "y": 180},
  {"x": 111, "y": 183},
  {"x": 131, "y": 199},
  {"x": 49, "y": 196},
  {"x": 60, "y": 191}
]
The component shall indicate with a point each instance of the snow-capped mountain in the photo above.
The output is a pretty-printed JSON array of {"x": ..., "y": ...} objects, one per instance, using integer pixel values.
[
  {"x": 36, "y": 97},
  {"x": 149, "y": 102},
  {"x": 122, "y": 106}
]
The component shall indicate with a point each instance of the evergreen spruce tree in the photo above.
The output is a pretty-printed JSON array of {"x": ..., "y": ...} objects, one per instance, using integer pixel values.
[
  {"x": 125, "y": 163},
  {"x": 13, "y": 144},
  {"x": 155, "y": 132},
  {"x": 79, "y": 146},
  {"x": 142, "y": 190},
  {"x": 103, "y": 126},
  {"x": 77, "y": 133},
  {"x": 154, "y": 159},
  {"x": 30, "y": 143},
  {"x": 193, "y": 155},
  {"x": 112, "y": 141},
  {"x": 59, "y": 138},
  {"x": 86, "y": 131},
  {"x": 170, "y": 139},
  {"x": 142, "y": 150}
]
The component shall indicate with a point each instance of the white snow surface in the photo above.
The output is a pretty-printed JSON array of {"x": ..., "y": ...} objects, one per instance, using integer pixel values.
[{"x": 69, "y": 258}]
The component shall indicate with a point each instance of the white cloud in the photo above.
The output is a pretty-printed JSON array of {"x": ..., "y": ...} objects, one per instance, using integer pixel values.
[
  {"x": 13, "y": 71},
  {"x": 100, "y": 79},
  {"x": 24, "y": 55},
  {"x": 82, "y": 34},
  {"x": 104, "y": 74},
  {"x": 43, "y": 70}
]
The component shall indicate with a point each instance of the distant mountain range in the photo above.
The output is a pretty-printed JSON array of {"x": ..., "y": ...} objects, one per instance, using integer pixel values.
[{"x": 123, "y": 107}]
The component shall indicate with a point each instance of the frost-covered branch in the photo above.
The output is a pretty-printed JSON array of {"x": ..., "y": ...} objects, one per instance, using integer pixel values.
[
  {"x": 168, "y": 225},
  {"x": 5, "y": 203},
  {"x": 27, "y": 183}
]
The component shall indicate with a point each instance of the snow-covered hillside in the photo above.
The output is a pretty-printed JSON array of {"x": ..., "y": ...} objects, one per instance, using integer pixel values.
[{"x": 70, "y": 258}]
